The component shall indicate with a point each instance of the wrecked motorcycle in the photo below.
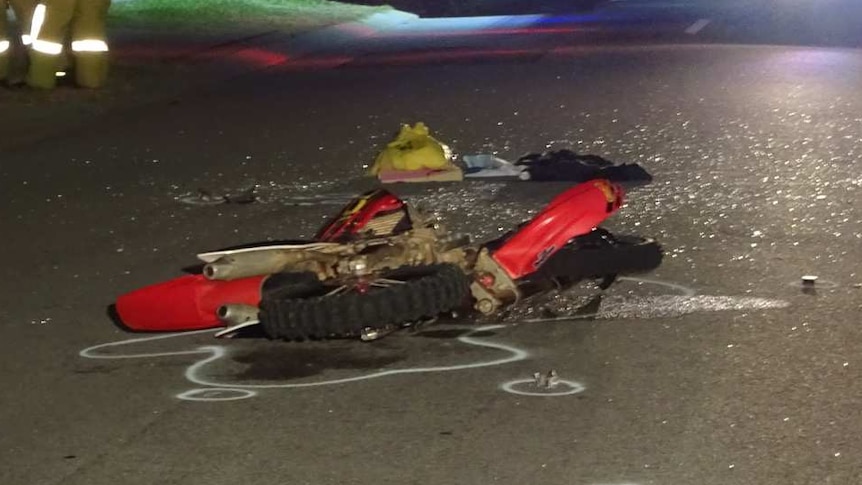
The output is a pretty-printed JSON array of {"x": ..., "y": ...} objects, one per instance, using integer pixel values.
[{"x": 380, "y": 265}]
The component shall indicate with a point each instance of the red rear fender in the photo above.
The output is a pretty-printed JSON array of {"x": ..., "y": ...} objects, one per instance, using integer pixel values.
[{"x": 575, "y": 212}]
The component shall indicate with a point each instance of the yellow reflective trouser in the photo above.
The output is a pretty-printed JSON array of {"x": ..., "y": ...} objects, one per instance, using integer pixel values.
[
  {"x": 23, "y": 10},
  {"x": 84, "y": 22},
  {"x": 5, "y": 43}
]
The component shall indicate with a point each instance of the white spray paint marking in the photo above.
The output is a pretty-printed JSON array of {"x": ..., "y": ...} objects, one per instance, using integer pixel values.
[
  {"x": 516, "y": 354},
  {"x": 696, "y": 27},
  {"x": 675, "y": 306},
  {"x": 684, "y": 290},
  {"x": 216, "y": 395},
  {"x": 668, "y": 306},
  {"x": 218, "y": 391},
  {"x": 527, "y": 387},
  {"x": 89, "y": 351},
  {"x": 663, "y": 306}
]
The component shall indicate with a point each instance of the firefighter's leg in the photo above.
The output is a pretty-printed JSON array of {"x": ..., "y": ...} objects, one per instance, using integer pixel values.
[
  {"x": 51, "y": 19},
  {"x": 23, "y": 10},
  {"x": 90, "y": 43},
  {"x": 18, "y": 57},
  {"x": 5, "y": 43}
]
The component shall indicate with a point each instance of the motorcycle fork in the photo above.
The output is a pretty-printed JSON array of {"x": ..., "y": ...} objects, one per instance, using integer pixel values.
[{"x": 492, "y": 287}]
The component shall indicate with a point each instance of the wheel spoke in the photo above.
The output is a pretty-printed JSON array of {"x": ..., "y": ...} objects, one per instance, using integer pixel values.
[
  {"x": 230, "y": 331},
  {"x": 336, "y": 291},
  {"x": 387, "y": 282}
]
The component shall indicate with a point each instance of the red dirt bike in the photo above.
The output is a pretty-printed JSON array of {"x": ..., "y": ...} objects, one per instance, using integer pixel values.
[{"x": 380, "y": 265}]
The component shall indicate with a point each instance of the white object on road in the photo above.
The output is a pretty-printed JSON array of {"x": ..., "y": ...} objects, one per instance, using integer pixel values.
[
  {"x": 696, "y": 27},
  {"x": 486, "y": 165},
  {"x": 809, "y": 280}
]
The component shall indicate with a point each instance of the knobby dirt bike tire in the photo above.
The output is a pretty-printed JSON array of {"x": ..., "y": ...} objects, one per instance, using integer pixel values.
[
  {"x": 426, "y": 292},
  {"x": 624, "y": 255}
]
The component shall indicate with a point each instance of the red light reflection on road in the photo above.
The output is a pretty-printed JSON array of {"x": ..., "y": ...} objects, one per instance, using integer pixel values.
[
  {"x": 259, "y": 57},
  {"x": 251, "y": 56},
  {"x": 311, "y": 63}
]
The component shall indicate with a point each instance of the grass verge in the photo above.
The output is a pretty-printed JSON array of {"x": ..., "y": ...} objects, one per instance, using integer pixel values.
[{"x": 242, "y": 14}]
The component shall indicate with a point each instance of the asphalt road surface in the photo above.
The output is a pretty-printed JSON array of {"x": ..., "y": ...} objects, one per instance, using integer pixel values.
[{"x": 715, "y": 369}]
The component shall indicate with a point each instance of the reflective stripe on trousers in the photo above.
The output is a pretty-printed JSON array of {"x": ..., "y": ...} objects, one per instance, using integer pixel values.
[
  {"x": 36, "y": 23},
  {"x": 78, "y": 24},
  {"x": 45, "y": 47},
  {"x": 90, "y": 45}
]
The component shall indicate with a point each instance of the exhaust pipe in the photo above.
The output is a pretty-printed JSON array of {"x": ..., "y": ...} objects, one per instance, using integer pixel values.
[
  {"x": 245, "y": 265},
  {"x": 235, "y": 314},
  {"x": 253, "y": 263}
]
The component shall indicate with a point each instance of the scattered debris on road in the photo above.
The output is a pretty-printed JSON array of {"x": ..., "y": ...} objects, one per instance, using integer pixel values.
[
  {"x": 555, "y": 166},
  {"x": 415, "y": 156},
  {"x": 566, "y": 165},
  {"x": 205, "y": 197},
  {"x": 808, "y": 284},
  {"x": 548, "y": 380},
  {"x": 809, "y": 280},
  {"x": 485, "y": 165}
]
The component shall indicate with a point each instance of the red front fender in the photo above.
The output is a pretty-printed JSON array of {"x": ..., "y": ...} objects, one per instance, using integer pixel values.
[{"x": 575, "y": 212}]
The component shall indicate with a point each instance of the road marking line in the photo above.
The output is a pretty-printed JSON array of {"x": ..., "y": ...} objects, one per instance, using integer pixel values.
[{"x": 697, "y": 26}]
